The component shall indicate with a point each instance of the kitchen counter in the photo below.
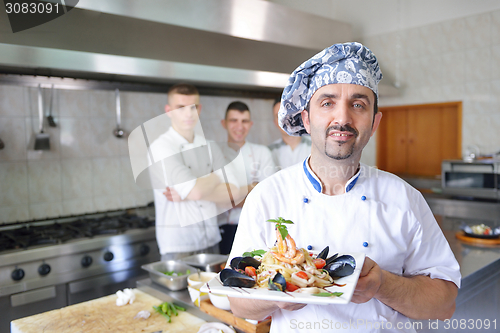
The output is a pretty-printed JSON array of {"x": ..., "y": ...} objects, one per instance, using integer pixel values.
[
  {"x": 102, "y": 314},
  {"x": 480, "y": 266}
]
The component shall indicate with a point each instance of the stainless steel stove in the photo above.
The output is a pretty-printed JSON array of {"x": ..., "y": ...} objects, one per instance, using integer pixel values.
[{"x": 46, "y": 265}]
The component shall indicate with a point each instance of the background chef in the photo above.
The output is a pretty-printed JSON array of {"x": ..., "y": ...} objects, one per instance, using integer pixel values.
[
  {"x": 288, "y": 150},
  {"x": 258, "y": 164},
  {"x": 188, "y": 181},
  {"x": 334, "y": 200}
]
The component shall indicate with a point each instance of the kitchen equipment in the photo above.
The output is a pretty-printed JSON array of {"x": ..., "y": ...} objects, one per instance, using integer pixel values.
[
  {"x": 45, "y": 265},
  {"x": 118, "y": 132},
  {"x": 475, "y": 178},
  {"x": 41, "y": 139},
  {"x": 50, "y": 119},
  {"x": 157, "y": 272},
  {"x": 206, "y": 261},
  {"x": 102, "y": 315}
]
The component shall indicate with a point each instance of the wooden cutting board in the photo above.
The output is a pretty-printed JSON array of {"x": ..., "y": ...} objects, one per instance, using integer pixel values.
[{"x": 102, "y": 315}]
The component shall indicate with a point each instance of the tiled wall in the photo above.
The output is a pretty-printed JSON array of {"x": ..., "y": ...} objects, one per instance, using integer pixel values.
[
  {"x": 456, "y": 60},
  {"x": 87, "y": 169}
]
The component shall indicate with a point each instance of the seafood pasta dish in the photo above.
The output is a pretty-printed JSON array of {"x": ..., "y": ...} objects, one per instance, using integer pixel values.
[{"x": 286, "y": 268}]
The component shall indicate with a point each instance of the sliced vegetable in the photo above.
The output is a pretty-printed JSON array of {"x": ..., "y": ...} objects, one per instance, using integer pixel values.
[
  {"x": 250, "y": 271},
  {"x": 302, "y": 275},
  {"x": 319, "y": 263},
  {"x": 291, "y": 286},
  {"x": 173, "y": 273},
  {"x": 167, "y": 310}
]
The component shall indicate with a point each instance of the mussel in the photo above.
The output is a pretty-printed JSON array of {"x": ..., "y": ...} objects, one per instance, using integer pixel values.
[
  {"x": 232, "y": 278},
  {"x": 278, "y": 283},
  {"x": 243, "y": 262},
  {"x": 324, "y": 254},
  {"x": 341, "y": 266}
]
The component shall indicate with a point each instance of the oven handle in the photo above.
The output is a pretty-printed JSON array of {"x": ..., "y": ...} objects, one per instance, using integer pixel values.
[{"x": 33, "y": 296}]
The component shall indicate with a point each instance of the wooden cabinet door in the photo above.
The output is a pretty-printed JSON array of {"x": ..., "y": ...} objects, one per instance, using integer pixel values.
[{"x": 413, "y": 140}]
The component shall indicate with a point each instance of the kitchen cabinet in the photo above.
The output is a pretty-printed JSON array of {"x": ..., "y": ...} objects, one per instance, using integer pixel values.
[{"x": 413, "y": 140}]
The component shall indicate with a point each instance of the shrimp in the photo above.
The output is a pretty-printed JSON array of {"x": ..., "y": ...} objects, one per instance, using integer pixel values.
[{"x": 287, "y": 250}]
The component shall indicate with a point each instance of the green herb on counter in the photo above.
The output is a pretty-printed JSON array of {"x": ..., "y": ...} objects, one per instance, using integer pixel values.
[{"x": 168, "y": 310}]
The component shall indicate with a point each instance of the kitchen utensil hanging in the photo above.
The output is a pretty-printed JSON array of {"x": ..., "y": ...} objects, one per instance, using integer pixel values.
[
  {"x": 118, "y": 132},
  {"x": 50, "y": 119},
  {"x": 42, "y": 139},
  {"x": 2, "y": 145}
]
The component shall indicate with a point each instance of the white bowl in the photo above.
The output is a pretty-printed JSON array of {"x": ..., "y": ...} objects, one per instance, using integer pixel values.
[
  {"x": 220, "y": 301},
  {"x": 194, "y": 281}
]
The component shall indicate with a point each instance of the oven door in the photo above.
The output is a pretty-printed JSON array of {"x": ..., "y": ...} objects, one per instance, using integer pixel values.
[
  {"x": 30, "y": 302},
  {"x": 478, "y": 180},
  {"x": 103, "y": 285}
]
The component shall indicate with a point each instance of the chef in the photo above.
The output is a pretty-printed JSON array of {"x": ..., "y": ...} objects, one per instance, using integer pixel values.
[
  {"x": 258, "y": 164},
  {"x": 188, "y": 181},
  {"x": 336, "y": 201},
  {"x": 288, "y": 150}
]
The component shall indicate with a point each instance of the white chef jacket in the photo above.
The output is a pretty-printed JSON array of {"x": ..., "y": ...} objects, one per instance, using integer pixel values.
[
  {"x": 393, "y": 220},
  {"x": 187, "y": 225},
  {"x": 284, "y": 156},
  {"x": 258, "y": 165}
]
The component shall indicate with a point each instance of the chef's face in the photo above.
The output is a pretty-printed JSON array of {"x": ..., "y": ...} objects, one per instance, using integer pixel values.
[
  {"x": 183, "y": 110},
  {"x": 340, "y": 120},
  {"x": 238, "y": 125}
]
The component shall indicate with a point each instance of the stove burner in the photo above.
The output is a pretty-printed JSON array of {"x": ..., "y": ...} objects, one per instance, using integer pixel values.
[{"x": 58, "y": 233}]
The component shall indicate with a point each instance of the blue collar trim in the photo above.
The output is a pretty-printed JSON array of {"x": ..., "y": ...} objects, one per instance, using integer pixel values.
[{"x": 317, "y": 184}]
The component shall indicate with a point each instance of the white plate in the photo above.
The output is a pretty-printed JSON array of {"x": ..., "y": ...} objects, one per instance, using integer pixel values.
[{"x": 215, "y": 286}]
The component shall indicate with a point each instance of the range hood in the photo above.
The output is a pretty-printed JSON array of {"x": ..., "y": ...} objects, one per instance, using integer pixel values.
[{"x": 252, "y": 44}]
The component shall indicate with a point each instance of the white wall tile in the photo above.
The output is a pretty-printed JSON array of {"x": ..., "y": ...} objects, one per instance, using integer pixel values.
[
  {"x": 454, "y": 32},
  {"x": 453, "y": 68},
  {"x": 102, "y": 104},
  {"x": 102, "y": 140},
  {"x": 12, "y": 101},
  {"x": 13, "y": 135},
  {"x": 106, "y": 177},
  {"x": 105, "y": 203},
  {"x": 40, "y": 211},
  {"x": 15, "y": 213},
  {"x": 477, "y": 31},
  {"x": 432, "y": 39},
  {"x": 13, "y": 184},
  {"x": 72, "y": 103},
  {"x": 44, "y": 181},
  {"x": 76, "y": 137},
  {"x": 76, "y": 178},
  {"x": 478, "y": 65},
  {"x": 78, "y": 206},
  {"x": 495, "y": 27}
]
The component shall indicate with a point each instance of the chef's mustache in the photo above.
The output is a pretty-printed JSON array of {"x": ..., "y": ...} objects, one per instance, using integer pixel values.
[{"x": 341, "y": 128}]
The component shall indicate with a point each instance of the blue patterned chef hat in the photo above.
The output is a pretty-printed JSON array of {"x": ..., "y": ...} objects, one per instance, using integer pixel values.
[{"x": 340, "y": 63}]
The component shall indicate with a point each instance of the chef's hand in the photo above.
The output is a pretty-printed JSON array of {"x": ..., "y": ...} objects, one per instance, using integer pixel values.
[
  {"x": 369, "y": 282},
  {"x": 290, "y": 306},
  {"x": 172, "y": 195}
]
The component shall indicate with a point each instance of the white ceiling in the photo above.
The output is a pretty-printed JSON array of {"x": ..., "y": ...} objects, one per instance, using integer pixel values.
[{"x": 375, "y": 17}]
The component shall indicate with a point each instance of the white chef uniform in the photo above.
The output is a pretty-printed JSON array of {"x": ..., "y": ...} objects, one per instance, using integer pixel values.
[
  {"x": 379, "y": 214},
  {"x": 187, "y": 225},
  {"x": 284, "y": 156},
  {"x": 259, "y": 165}
]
